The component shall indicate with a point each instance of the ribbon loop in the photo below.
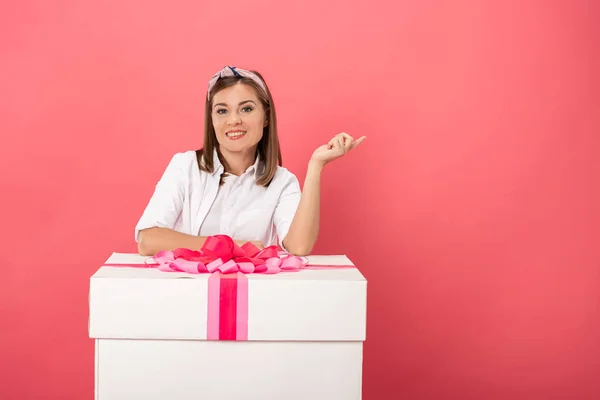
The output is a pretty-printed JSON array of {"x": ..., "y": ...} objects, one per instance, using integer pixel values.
[{"x": 220, "y": 253}]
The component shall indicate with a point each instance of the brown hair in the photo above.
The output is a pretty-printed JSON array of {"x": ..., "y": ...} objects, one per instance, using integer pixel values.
[{"x": 268, "y": 147}]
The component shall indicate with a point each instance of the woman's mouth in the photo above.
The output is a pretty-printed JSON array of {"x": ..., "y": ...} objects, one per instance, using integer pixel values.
[{"x": 235, "y": 135}]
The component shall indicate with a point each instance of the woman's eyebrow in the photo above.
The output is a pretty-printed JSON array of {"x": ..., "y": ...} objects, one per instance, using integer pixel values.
[{"x": 243, "y": 102}]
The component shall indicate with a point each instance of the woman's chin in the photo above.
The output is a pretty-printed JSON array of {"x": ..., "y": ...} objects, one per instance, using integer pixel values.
[
  {"x": 237, "y": 145},
  {"x": 239, "y": 148}
]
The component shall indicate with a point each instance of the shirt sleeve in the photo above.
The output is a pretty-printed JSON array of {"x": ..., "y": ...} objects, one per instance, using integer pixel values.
[
  {"x": 286, "y": 208},
  {"x": 167, "y": 200}
]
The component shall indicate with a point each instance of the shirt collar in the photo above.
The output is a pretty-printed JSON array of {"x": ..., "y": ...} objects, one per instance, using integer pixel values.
[{"x": 218, "y": 168}]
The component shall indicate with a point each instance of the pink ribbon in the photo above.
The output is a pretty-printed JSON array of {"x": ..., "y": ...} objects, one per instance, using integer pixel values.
[
  {"x": 227, "y": 307},
  {"x": 221, "y": 254}
]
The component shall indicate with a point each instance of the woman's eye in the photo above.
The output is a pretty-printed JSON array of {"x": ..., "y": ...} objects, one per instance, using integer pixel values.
[
  {"x": 221, "y": 111},
  {"x": 247, "y": 109}
]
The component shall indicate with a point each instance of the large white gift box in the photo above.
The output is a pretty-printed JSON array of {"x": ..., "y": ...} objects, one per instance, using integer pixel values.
[{"x": 179, "y": 336}]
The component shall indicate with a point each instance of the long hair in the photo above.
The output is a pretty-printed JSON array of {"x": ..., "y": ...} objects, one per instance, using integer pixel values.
[{"x": 268, "y": 147}]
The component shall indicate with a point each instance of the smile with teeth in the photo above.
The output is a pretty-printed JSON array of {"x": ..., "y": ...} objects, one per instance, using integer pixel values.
[{"x": 235, "y": 134}]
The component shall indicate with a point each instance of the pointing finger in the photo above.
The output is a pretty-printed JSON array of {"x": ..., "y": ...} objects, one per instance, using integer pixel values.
[{"x": 357, "y": 142}]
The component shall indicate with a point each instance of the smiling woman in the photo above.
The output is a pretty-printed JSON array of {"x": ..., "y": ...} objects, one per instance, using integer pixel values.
[
  {"x": 241, "y": 123},
  {"x": 236, "y": 184}
]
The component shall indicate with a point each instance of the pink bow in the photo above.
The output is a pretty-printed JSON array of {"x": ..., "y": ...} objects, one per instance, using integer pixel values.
[{"x": 221, "y": 253}]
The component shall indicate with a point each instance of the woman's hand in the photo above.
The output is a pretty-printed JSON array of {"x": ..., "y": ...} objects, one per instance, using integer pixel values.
[{"x": 337, "y": 147}]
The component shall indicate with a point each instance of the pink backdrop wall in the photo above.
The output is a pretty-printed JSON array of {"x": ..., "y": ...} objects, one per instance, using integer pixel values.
[{"x": 472, "y": 208}]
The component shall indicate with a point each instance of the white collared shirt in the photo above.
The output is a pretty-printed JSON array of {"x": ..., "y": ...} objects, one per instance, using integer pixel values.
[{"x": 190, "y": 201}]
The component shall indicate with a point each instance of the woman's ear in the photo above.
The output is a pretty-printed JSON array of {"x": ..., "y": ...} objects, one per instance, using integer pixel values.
[{"x": 266, "y": 123}]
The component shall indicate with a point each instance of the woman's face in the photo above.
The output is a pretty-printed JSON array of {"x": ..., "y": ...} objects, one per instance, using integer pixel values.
[{"x": 238, "y": 118}]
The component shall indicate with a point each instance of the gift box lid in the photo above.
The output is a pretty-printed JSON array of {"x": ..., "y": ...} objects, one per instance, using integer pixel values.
[{"x": 324, "y": 302}]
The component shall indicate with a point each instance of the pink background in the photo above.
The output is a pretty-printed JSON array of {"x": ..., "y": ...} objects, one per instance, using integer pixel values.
[{"x": 472, "y": 208}]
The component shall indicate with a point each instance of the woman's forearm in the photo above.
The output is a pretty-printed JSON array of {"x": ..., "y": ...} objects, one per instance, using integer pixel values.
[
  {"x": 153, "y": 240},
  {"x": 304, "y": 229}
]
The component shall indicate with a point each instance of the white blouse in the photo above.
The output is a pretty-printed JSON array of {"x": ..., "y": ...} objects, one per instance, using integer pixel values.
[
  {"x": 212, "y": 222},
  {"x": 190, "y": 201}
]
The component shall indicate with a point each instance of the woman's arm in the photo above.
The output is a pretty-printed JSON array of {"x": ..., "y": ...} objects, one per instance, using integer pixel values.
[
  {"x": 304, "y": 229},
  {"x": 153, "y": 240}
]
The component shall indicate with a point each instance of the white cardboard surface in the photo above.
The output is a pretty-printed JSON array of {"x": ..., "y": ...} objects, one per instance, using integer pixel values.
[
  {"x": 191, "y": 370},
  {"x": 310, "y": 305}
]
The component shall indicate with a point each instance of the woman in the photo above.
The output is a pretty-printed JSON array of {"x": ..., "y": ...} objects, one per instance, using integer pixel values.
[{"x": 235, "y": 185}]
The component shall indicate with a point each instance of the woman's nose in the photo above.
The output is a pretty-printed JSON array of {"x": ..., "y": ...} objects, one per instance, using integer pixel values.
[{"x": 234, "y": 118}]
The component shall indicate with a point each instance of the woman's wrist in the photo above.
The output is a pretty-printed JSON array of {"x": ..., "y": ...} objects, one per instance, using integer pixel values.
[{"x": 315, "y": 166}]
